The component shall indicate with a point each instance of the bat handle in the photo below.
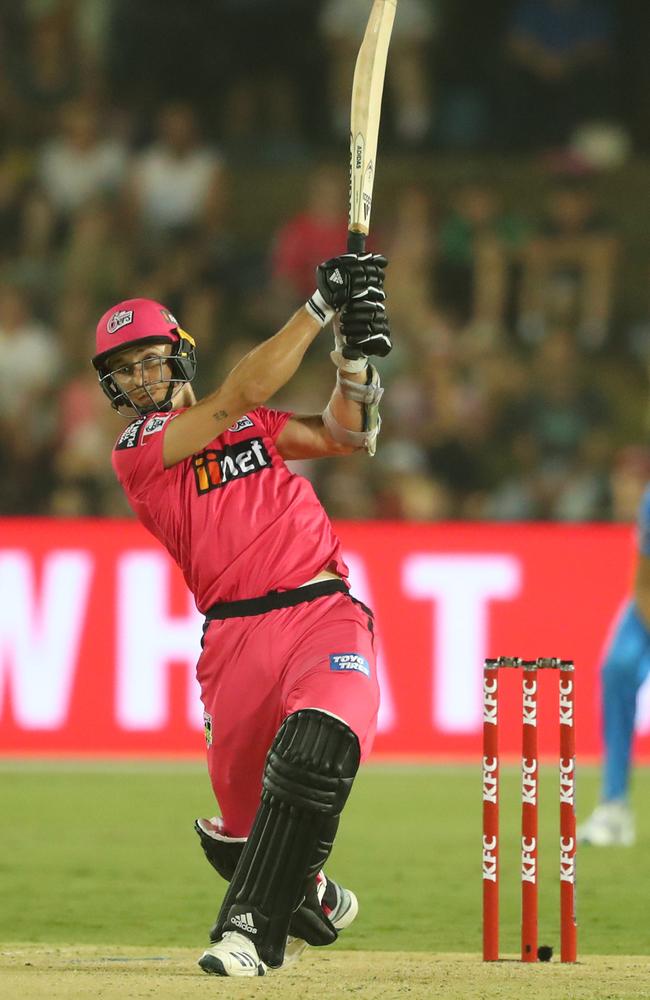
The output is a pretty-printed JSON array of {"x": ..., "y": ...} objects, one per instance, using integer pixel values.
[
  {"x": 356, "y": 244},
  {"x": 356, "y": 241}
]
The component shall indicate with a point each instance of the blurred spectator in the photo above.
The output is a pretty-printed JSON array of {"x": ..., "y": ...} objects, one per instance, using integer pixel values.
[
  {"x": 568, "y": 419},
  {"x": 411, "y": 246},
  {"x": 556, "y": 442},
  {"x": 29, "y": 367},
  {"x": 96, "y": 259},
  {"x": 74, "y": 314},
  {"x": 519, "y": 494},
  {"x": 563, "y": 406},
  {"x": 560, "y": 60},
  {"x": 638, "y": 336},
  {"x": 569, "y": 268},
  {"x": 14, "y": 171},
  {"x": 41, "y": 64},
  {"x": 268, "y": 112},
  {"x": 628, "y": 480},
  {"x": 80, "y": 164},
  {"x": 409, "y": 84},
  {"x": 29, "y": 359},
  {"x": 178, "y": 181},
  {"x": 583, "y": 493},
  {"x": 346, "y": 489},
  {"x": 467, "y": 64},
  {"x": 83, "y": 483},
  {"x": 479, "y": 251},
  {"x": 413, "y": 496},
  {"x": 309, "y": 237}
]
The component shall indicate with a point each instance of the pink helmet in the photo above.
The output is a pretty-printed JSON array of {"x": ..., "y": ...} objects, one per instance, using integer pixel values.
[{"x": 135, "y": 323}]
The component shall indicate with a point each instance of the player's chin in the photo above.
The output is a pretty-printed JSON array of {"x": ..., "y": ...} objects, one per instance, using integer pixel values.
[{"x": 148, "y": 400}]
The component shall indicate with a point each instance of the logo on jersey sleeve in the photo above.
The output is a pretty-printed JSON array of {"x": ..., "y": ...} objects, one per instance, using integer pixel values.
[
  {"x": 349, "y": 663},
  {"x": 214, "y": 468},
  {"x": 130, "y": 437},
  {"x": 241, "y": 425},
  {"x": 155, "y": 424}
]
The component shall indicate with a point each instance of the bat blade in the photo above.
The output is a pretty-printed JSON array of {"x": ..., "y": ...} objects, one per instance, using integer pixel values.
[{"x": 367, "y": 90}]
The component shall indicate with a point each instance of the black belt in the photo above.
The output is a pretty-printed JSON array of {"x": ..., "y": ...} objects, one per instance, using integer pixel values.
[{"x": 276, "y": 599}]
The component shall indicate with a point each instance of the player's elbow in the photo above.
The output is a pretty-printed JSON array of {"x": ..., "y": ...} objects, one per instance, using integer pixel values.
[
  {"x": 336, "y": 449},
  {"x": 342, "y": 449},
  {"x": 256, "y": 392}
]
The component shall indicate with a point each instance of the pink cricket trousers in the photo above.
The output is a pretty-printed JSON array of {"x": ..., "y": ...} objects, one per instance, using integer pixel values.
[{"x": 254, "y": 671}]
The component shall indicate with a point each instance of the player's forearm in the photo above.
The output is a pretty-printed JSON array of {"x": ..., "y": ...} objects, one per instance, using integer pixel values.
[
  {"x": 348, "y": 412},
  {"x": 265, "y": 369}
]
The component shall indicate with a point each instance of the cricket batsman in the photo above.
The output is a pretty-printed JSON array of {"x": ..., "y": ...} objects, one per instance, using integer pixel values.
[{"x": 287, "y": 670}]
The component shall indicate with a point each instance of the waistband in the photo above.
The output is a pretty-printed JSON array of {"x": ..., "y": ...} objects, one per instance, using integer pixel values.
[{"x": 275, "y": 599}]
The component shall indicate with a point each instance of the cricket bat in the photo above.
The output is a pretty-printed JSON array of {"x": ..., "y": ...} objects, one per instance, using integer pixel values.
[{"x": 365, "y": 112}]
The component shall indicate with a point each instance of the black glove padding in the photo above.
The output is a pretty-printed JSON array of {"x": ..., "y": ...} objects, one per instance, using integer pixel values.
[
  {"x": 352, "y": 276},
  {"x": 364, "y": 328}
]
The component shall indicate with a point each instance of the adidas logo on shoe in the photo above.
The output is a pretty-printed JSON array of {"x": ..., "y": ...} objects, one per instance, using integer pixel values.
[
  {"x": 245, "y": 922},
  {"x": 336, "y": 278}
]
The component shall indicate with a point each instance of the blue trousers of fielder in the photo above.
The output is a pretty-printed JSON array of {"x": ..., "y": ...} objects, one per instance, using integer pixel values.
[{"x": 626, "y": 666}]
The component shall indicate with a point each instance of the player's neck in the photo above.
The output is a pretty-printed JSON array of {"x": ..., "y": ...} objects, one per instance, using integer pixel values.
[{"x": 184, "y": 398}]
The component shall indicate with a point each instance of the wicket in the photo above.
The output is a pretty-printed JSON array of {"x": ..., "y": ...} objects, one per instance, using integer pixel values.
[{"x": 529, "y": 806}]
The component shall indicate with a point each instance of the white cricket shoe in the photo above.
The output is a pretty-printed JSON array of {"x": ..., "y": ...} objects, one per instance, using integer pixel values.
[
  {"x": 342, "y": 911},
  {"x": 611, "y": 824},
  {"x": 345, "y": 909},
  {"x": 234, "y": 955}
]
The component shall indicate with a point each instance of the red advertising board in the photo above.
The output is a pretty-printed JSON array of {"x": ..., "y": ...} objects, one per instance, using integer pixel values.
[{"x": 99, "y": 637}]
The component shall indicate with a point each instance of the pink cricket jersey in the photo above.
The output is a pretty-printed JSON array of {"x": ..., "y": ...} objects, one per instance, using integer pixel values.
[{"x": 234, "y": 517}]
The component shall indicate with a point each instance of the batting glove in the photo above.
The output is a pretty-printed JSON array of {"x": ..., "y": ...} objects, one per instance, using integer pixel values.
[
  {"x": 364, "y": 327},
  {"x": 344, "y": 279}
]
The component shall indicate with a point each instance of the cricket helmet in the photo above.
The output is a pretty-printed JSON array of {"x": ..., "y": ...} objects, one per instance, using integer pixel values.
[{"x": 136, "y": 323}]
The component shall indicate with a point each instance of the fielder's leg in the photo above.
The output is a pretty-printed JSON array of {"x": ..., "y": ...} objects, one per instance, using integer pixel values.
[
  {"x": 627, "y": 664},
  {"x": 625, "y": 668}
]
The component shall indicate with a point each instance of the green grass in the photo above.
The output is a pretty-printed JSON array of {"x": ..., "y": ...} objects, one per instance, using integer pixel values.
[{"x": 107, "y": 854}]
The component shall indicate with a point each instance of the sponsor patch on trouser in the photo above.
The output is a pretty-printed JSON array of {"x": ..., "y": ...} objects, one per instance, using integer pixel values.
[
  {"x": 349, "y": 662},
  {"x": 207, "y": 728}
]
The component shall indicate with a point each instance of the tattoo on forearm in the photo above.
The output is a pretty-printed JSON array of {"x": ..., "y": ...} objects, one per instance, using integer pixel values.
[{"x": 220, "y": 415}]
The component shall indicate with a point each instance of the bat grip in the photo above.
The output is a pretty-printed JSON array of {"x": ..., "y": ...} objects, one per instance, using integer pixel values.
[
  {"x": 356, "y": 241},
  {"x": 356, "y": 244}
]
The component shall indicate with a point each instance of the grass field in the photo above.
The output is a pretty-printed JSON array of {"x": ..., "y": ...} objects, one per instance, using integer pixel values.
[{"x": 99, "y": 855}]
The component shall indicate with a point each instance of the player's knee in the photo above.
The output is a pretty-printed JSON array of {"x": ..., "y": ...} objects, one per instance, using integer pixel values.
[{"x": 312, "y": 762}]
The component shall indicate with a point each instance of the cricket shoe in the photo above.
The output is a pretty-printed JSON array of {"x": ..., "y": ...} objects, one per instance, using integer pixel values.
[
  {"x": 234, "y": 955},
  {"x": 339, "y": 905},
  {"x": 611, "y": 824}
]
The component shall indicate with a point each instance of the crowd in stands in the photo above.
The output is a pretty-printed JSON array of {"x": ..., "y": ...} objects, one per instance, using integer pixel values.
[{"x": 195, "y": 153}]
